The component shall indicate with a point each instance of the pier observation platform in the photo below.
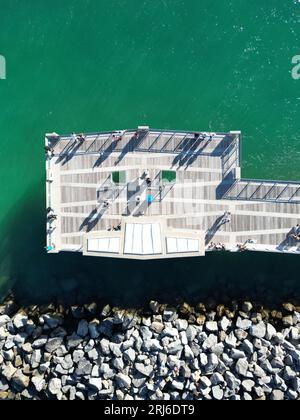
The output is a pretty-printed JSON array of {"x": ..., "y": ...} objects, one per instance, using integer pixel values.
[{"x": 151, "y": 194}]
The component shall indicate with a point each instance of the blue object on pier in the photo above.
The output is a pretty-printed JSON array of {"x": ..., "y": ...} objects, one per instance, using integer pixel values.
[{"x": 150, "y": 199}]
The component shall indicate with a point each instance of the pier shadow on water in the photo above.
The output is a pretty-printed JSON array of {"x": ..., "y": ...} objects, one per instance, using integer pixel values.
[{"x": 36, "y": 277}]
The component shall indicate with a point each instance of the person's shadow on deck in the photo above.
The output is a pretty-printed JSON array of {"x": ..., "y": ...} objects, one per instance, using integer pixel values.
[
  {"x": 92, "y": 220},
  {"x": 132, "y": 144},
  {"x": 106, "y": 153},
  {"x": 69, "y": 153},
  {"x": 182, "y": 157}
]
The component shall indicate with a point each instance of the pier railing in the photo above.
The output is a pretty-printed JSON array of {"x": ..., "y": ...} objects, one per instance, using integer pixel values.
[
  {"x": 152, "y": 141},
  {"x": 264, "y": 190}
]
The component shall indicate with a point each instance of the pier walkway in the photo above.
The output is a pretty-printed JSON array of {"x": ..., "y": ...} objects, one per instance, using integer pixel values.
[{"x": 148, "y": 194}]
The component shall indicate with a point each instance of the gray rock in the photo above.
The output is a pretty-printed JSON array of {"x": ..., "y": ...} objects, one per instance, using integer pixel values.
[
  {"x": 225, "y": 323},
  {"x": 106, "y": 327},
  {"x": 271, "y": 332},
  {"x": 247, "y": 346},
  {"x": 243, "y": 324},
  {"x": 84, "y": 368},
  {"x": 217, "y": 392},
  {"x": 40, "y": 342},
  {"x": 67, "y": 362},
  {"x": 4, "y": 319},
  {"x": 73, "y": 341},
  {"x": 291, "y": 394},
  {"x": 231, "y": 340},
  {"x": 9, "y": 343},
  {"x": 237, "y": 354},
  {"x": 95, "y": 383},
  {"x": 170, "y": 315},
  {"x": 191, "y": 333},
  {"x": 188, "y": 354},
  {"x": 53, "y": 344},
  {"x": 218, "y": 349},
  {"x": 105, "y": 346},
  {"x": 93, "y": 329},
  {"x": 145, "y": 333},
  {"x": 8, "y": 370},
  {"x": 216, "y": 379},
  {"x": 289, "y": 373},
  {"x": 205, "y": 382},
  {"x": 36, "y": 358},
  {"x": 212, "y": 364},
  {"x": 211, "y": 326},
  {"x": 83, "y": 328},
  {"x": 152, "y": 345},
  {"x": 181, "y": 324},
  {"x": 288, "y": 321},
  {"x": 19, "y": 381},
  {"x": 170, "y": 332},
  {"x": 210, "y": 342},
  {"x": 123, "y": 381},
  {"x": 129, "y": 355},
  {"x": 248, "y": 384},
  {"x": 118, "y": 363},
  {"x": 154, "y": 306},
  {"x": 185, "y": 371},
  {"x": 139, "y": 381},
  {"x": 54, "y": 386},
  {"x": 178, "y": 385},
  {"x": 175, "y": 347},
  {"x": 277, "y": 395},
  {"x": 241, "y": 335},
  {"x": 247, "y": 397},
  {"x": 258, "y": 371},
  {"x": 157, "y": 327},
  {"x": 93, "y": 354},
  {"x": 259, "y": 330},
  {"x": 296, "y": 384},
  {"x": 39, "y": 383},
  {"x": 242, "y": 366},
  {"x": 247, "y": 307},
  {"x": 52, "y": 321},
  {"x": 115, "y": 349},
  {"x": 203, "y": 359},
  {"x": 232, "y": 382},
  {"x": 20, "y": 320},
  {"x": 183, "y": 338},
  {"x": 78, "y": 355},
  {"x": 144, "y": 370},
  {"x": 8, "y": 355}
]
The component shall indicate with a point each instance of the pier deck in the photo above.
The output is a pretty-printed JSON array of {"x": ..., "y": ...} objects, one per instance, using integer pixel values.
[{"x": 104, "y": 205}]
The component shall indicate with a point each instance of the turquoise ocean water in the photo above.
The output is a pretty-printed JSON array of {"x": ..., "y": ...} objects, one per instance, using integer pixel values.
[{"x": 89, "y": 65}]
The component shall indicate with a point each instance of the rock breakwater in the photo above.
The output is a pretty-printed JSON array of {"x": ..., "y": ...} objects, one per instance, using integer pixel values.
[{"x": 241, "y": 351}]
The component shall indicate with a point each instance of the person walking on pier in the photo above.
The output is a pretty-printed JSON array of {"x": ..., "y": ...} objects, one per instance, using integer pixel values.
[
  {"x": 49, "y": 152},
  {"x": 81, "y": 138},
  {"x": 51, "y": 216},
  {"x": 226, "y": 218},
  {"x": 295, "y": 232}
]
